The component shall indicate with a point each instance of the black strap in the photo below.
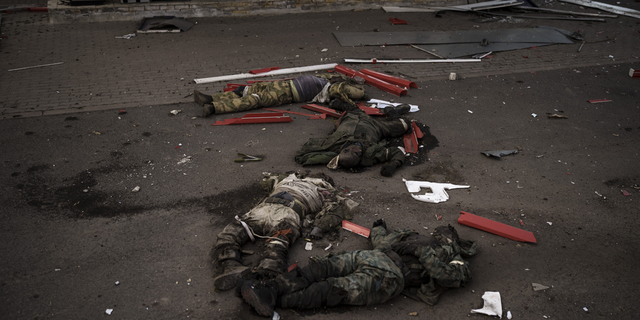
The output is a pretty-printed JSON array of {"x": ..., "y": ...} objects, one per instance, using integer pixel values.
[{"x": 291, "y": 204}]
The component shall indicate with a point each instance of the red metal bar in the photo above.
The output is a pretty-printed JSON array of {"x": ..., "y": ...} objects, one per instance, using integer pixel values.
[
  {"x": 350, "y": 226},
  {"x": 255, "y": 118},
  {"x": 312, "y": 116},
  {"x": 263, "y": 70},
  {"x": 410, "y": 142},
  {"x": 380, "y": 84},
  {"x": 495, "y": 227},
  {"x": 599, "y": 101},
  {"x": 634, "y": 73},
  {"x": 371, "y": 111},
  {"x": 321, "y": 109},
  {"x": 417, "y": 130},
  {"x": 389, "y": 78}
]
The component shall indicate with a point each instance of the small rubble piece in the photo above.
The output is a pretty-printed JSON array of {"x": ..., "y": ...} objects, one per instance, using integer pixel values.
[
  {"x": 492, "y": 304},
  {"x": 136, "y": 189},
  {"x": 538, "y": 287},
  {"x": 556, "y": 116},
  {"x": 634, "y": 73},
  {"x": 175, "y": 112},
  {"x": 117, "y": 283},
  {"x": 308, "y": 246},
  {"x": 127, "y": 36},
  {"x": 452, "y": 76},
  {"x": 108, "y": 311},
  {"x": 184, "y": 160},
  {"x": 509, "y": 315},
  {"x": 499, "y": 153},
  {"x": 413, "y": 314}
]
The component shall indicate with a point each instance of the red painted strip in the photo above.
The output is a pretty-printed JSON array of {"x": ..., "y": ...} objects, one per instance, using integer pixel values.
[
  {"x": 417, "y": 130},
  {"x": 255, "y": 118},
  {"x": 389, "y": 78},
  {"x": 495, "y": 227},
  {"x": 397, "y": 21},
  {"x": 599, "y": 101},
  {"x": 350, "y": 226}
]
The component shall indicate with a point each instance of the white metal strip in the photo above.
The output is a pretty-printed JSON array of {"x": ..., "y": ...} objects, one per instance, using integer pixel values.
[{"x": 270, "y": 73}]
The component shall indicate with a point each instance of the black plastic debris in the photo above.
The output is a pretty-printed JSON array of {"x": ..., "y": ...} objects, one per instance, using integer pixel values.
[
  {"x": 164, "y": 24},
  {"x": 499, "y": 153}
]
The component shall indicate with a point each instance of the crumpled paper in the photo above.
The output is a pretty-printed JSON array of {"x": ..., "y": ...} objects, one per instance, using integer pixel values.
[{"x": 492, "y": 304}]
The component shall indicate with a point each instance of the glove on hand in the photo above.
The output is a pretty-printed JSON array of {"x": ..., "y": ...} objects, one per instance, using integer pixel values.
[
  {"x": 380, "y": 222},
  {"x": 389, "y": 169}
]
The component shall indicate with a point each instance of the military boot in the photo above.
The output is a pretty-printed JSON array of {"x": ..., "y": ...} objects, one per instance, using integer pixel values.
[
  {"x": 201, "y": 98},
  {"x": 232, "y": 273},
  {"x": 396, "y": 112},
  {"x": 261, "y": 295},
  {"x": 208, "y": 110}
]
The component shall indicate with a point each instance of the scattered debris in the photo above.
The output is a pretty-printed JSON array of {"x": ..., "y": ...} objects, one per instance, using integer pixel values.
[
  {"x": 136, "y": 189},
  {"x": 263, "y": 70},
  {"x": 184, "y": 160},
  {"x": 108, "y": 311},
  {"x": 625, "y": 193},
  {"x": 350, "y": 226},
  {"x": 328, "y": 247},
  {"x": 599, "y": 101},
  {"x": 117, "y": 283},
  {"x": 246, "y": 157},
  {"x": 452, "y": 76},
  {"x": 469, "y": 7},
  {"x": 38, "y": 66},
  {"x": 126, "y": 36},
  {"x": 633, "y": 73},
  {"x": 499, "y": 153},
  {"x": 606, "y": 7},
  {"x": 492, "y": 304},
  {"x": 556, "y": 116},
  {"x": 96, "y": 133},
  {"x": 538, "y": 287},
  {"x": 308, "y": 246},
  {"x": 501, "y": 229},
  {"x": 175, "y": 112},
  {"x": 395, "y": 21},
  {"x": 160, "y": 24},
  {"x": 438, "y": 193},
  {"x": 413, "y": 314},
  {"x": 509, "y": 315}
]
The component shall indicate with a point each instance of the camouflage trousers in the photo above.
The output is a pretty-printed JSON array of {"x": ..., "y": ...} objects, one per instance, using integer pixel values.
[
  {"x": 356, "y": 278},
  {"x": 277, "y": 221},
  {"x": 259, "y": 95}
]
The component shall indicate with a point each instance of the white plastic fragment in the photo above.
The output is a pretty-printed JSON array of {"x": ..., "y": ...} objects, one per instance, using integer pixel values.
[
  {"x": 381, "y": 104},
  {"x": 175, "y": 112},
  {"x": 108, "y": 311},
  {"x": 308, "y": 246},
  {"x": 534, "y": 115},
  {"x": 452, "y": 76},
  {"x": 549, "y": 222},
  {"x": 136, "y": 189},
  {"x": 328, "y": 247},
  {"x": 117, "y": 283},
  {"x": 438, "y": 193},
  {"x": 585, "y": 309},
  {"x": 509, "y": 315},
  {"x": 325, "y": 50},
  {"x": 492, "y": 304}
]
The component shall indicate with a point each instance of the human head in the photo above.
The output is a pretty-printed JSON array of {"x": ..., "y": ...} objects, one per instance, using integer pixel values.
[{"x": 350, "y": 155}]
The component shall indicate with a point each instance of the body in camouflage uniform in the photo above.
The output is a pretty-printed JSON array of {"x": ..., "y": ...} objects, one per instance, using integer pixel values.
[
  {"x": 401, "y": 261},
  {"x": 355, "y": 126},
  {"x": 278, "y": 219},
  {"x": 274, "y": 93}
]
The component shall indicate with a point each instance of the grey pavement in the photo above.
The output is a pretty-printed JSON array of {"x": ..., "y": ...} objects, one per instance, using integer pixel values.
[{"x": 99, "y": 71}]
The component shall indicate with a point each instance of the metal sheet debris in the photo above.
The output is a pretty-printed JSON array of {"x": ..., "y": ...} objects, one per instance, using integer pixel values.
[
  {"x": 469, "y": 7},
  {"x": 499, "y": 153},
  {"x": 606, "y": 7},
  {"x": 528, "y": 35},
  {"x": 374, "y": 60},
  {"x": 437, "y": 194},
  {"x": 164, "y": 24}
]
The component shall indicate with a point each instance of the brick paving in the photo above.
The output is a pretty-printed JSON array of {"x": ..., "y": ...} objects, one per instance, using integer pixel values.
[{"x": 102, "y": 72}]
